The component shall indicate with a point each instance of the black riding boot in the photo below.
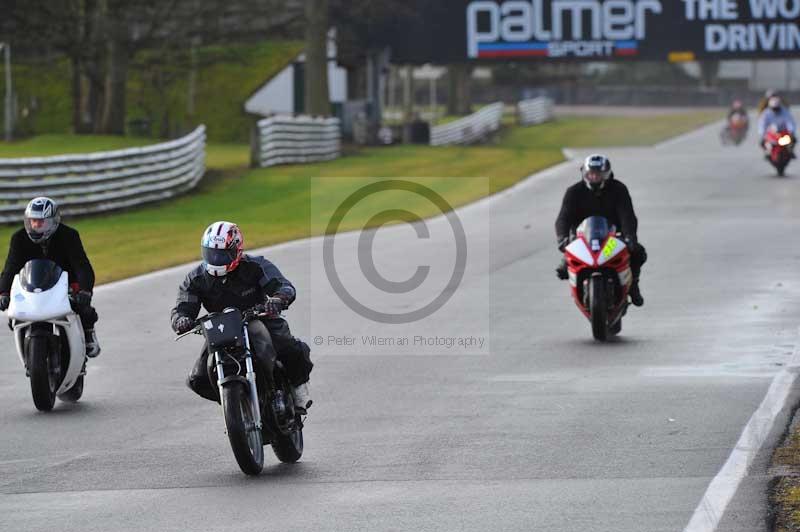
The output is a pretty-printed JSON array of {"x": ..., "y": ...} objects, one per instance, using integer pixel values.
[
  {"x": 561, "y": 270},
  {"x": 636, "y": 294}
]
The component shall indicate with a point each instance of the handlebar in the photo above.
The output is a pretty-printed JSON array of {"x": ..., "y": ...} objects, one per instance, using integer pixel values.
[{"x": 248, "y": 315}]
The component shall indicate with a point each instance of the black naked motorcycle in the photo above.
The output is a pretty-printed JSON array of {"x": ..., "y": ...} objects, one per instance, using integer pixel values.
[{"x": 257, "y": 402}]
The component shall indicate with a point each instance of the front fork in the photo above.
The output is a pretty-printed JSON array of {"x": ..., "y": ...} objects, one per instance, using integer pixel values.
[{"x": 251, "y": 378}]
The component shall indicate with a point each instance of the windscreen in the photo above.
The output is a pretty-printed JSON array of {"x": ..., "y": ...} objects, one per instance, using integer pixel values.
[
  {"x": 41, "y": 274},
  {"x": 594, "y": 231}
]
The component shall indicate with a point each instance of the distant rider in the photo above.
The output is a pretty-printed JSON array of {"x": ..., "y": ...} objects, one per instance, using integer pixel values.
[
  {"x": 776, "y": 114},
  {"x": 45, "y": 237},
  {"x": 598, "y": 193},
  {"x": 763, "y": 103},
  {"x": 737, "y": 110},
  {"x": 229, "y": 278}
]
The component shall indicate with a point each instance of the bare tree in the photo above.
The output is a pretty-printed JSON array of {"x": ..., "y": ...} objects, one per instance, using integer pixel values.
[
  {"x": 317, "y": 99},
  {"x": 459, "y": 98}
]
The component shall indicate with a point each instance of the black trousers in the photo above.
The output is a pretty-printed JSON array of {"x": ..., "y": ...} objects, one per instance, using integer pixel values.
[{"x": 267, "y": 338}]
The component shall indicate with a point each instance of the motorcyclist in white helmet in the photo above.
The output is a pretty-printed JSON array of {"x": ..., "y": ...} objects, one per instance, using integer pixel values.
[
  {"x": 230, "y": 278},
  {"x": 776, "y": 114}
]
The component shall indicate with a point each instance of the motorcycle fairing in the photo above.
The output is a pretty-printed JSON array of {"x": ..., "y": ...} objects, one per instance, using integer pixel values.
[
  {"x": 613, "y": 247},
  {"x": 49, "y": 306},
  {"x": 40, "y": 306}
]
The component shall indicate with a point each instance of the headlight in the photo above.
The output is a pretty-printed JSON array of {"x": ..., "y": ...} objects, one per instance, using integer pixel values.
[{"x": 785, "y": 140}]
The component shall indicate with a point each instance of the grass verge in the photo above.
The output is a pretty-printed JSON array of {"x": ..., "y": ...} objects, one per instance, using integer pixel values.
[
  {"x": 785, "y": 494},
  {"x": 274, "y": 205}
]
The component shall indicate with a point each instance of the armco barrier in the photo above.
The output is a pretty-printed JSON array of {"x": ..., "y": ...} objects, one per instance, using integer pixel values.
[
  {"x": 300, "y": 139},
  {"x": 103, "y": 181},
  {"x": 474, "y": 128},
  {"x": 535, "y": 111}
]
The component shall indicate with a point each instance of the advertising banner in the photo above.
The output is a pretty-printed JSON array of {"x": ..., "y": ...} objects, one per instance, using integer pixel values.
[{"x": 599, "y": 30}]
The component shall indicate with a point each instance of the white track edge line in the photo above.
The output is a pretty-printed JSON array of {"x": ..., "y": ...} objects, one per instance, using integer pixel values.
[{"x": 718, "y": 495}]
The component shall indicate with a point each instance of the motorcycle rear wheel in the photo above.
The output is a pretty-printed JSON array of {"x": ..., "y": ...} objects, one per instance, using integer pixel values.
[
  {"x": 44, "y": 379},
  {"x": 244, "y": 436},
  {"x": 598, "y": 309},
  {"x": 288, "y": 449}
]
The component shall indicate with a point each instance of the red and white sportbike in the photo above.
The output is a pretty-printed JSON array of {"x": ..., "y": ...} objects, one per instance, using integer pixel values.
[
  {"x": 735, "y": 130},
  {"x": 779, "y": 147},
  {"x": 599, "y": 266}
]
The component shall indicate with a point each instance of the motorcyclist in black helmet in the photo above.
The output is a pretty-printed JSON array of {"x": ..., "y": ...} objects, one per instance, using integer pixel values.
[
  {"x": 45, "y": 237},
  {"x": 598, "y": 193}
]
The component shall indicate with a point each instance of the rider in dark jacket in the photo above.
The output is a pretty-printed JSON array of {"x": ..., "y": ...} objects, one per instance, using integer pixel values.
[
  {"x": 45, "y": 237},
  {"x": 599, "y": 194},
  {"x": 229, "y": 278}
]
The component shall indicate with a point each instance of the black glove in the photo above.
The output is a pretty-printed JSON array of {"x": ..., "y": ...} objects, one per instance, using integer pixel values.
[
  {"x": 631, "y": 242},
  {"x": 274, "y": 305},
  {"x": 83, "y": 298},
  {"x": 563, "y": 242},
  {"x": 5, "y": 300},
  {"x": 182, "y": 324}
]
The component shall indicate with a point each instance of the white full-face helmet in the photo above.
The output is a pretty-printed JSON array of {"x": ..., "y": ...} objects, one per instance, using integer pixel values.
[{"x": 222, "y": 246}]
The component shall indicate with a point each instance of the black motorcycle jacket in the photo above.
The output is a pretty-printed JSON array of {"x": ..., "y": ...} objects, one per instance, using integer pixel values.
[
  {"x": 64, "y": 248},
  {"x": 613, "y": 201},
  {"x": 248, "y": 285}
]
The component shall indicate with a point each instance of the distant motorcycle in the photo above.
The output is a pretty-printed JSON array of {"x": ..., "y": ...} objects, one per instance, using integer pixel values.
[
  {"x": 600, "y": 277},
  {"x": 779, "y": 147},
  {"x": 48, "y": 333},
  {"x": 257, "y": 402},
  {"x": 735, "y": 131}
]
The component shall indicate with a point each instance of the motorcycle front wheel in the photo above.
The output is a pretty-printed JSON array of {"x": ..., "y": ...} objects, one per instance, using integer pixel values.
[
  {"x": 244, "y": 435},
  {"x": 44, "y": 377},
  {"x": 598, "y": 309},
  {"x": 73, "y": 394}
]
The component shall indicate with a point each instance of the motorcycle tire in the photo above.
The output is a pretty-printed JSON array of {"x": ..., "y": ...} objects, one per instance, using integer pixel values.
[
  {"x": 73, "y": 394},
  {"x": 616, "y": 328},
  {"x": 44, "y": 380},
  {"x": 598, "y": 308},
  {"x": 288, "y": 449},
  {"x": 244, "y": 436}
]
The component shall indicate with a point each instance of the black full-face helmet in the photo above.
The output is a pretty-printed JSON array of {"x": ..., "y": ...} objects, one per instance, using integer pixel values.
[
  {"x": 596, "y": 171},
  {"x": 41, "y": 219}
]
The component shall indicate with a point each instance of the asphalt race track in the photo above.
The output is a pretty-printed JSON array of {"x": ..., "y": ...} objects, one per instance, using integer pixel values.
[{"x": 541, "y": 429}]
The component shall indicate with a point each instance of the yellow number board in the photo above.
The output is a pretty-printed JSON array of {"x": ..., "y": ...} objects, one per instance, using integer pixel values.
[{"x": 609, "y": 248}]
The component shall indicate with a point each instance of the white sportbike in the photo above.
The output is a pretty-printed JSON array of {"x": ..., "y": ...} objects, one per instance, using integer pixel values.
[{"x": 48, "y": 333}]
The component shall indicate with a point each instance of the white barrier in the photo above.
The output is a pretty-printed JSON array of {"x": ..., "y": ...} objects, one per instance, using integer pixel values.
[
  {"x": 103, "y": 181},
  {"x": 535, "y": 111},
  {"x": 474, "y": 128},
  {"x": 301, "y": 139}
]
